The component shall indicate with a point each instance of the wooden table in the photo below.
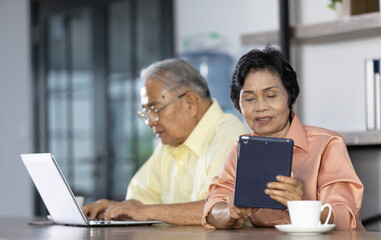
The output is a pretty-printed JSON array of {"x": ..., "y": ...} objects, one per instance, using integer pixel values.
[{"x": 18, "y": 228}]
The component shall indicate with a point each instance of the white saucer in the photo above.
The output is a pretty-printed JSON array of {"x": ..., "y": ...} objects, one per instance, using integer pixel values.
[{"x": 300, "y": 230}]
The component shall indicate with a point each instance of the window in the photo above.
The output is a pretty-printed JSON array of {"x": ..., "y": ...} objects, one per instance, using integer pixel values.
[{"x": 90, "y": 54}]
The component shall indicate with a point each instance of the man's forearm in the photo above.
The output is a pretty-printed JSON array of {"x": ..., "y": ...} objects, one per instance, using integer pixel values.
[{"x": 180, "y": 214}]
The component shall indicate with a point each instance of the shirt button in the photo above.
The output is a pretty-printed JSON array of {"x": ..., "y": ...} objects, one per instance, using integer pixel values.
[{"x": 204, "y": 194}]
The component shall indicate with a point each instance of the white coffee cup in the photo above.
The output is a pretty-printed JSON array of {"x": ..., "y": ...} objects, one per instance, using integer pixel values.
[
  {"x": 80, "y": 200},
  {"x": 307, "y": 212}
]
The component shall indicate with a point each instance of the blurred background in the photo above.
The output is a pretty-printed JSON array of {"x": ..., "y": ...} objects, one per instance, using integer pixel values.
[{"x": 69, "y": 81}]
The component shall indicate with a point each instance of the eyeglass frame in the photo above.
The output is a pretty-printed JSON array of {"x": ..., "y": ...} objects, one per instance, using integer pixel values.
[{"x": 144, "y": 114}]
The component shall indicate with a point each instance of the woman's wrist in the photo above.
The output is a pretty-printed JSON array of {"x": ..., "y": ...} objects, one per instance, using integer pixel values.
[{"x": 220, "y": 218}]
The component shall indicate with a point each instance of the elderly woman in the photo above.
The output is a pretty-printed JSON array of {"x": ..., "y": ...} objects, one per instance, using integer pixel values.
[{"x": 264, "y": 89}]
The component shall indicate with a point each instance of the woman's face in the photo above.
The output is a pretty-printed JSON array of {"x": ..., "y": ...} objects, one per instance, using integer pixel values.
[{"x": 264, "y": 104}]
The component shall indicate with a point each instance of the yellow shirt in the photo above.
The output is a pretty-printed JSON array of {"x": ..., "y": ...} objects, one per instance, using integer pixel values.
[{"x": 182, "y": 174}]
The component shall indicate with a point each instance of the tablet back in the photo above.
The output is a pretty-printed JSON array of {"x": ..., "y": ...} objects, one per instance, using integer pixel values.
[{"x": 259, "y": 161}]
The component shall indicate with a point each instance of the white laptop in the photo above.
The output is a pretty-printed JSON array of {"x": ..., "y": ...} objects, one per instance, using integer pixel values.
[{"x": 57, "y": 195}]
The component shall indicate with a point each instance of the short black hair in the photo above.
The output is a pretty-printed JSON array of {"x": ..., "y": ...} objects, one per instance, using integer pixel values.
[{"x": 268, "y": 59}]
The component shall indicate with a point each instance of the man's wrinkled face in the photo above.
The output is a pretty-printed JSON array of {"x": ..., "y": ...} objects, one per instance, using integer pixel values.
[{"x": 173, "y": 126}]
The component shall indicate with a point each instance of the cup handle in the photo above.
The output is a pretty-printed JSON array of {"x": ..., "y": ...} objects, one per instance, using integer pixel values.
[{"x": 329, "y": 212}]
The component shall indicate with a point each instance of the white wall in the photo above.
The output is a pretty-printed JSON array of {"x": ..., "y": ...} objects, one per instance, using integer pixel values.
[
  {"x": 332, "y": 74},
  {"x": 229, "y": 18},
  {"x": 15, "y": 107}
]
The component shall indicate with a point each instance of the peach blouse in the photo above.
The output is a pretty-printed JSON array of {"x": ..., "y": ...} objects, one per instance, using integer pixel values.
[{"x": 321, "y": 162}]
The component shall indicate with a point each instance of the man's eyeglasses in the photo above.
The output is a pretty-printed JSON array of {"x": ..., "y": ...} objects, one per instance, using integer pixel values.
[{"x": 153, "y": 114}]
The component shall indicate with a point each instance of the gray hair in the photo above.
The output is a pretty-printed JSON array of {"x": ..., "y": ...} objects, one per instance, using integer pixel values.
[{"x": 175, "y": 74}]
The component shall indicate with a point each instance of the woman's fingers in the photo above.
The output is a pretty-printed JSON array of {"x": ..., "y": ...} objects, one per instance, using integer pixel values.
[
  {"x": 239, "y": 212},
  {"x": 286, "y": 189}
]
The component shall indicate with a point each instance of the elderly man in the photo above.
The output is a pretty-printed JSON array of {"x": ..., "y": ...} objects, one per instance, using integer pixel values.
[{"x": 196, "y": 137}]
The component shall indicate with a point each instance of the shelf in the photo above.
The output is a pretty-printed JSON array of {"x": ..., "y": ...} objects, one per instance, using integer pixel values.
[
  {"x": 362, "y": 138},
  {"x": 363, "y": 25}
]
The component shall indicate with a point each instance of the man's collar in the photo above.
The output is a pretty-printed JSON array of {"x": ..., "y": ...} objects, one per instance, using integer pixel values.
[{"x": 196, "y": 139}]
